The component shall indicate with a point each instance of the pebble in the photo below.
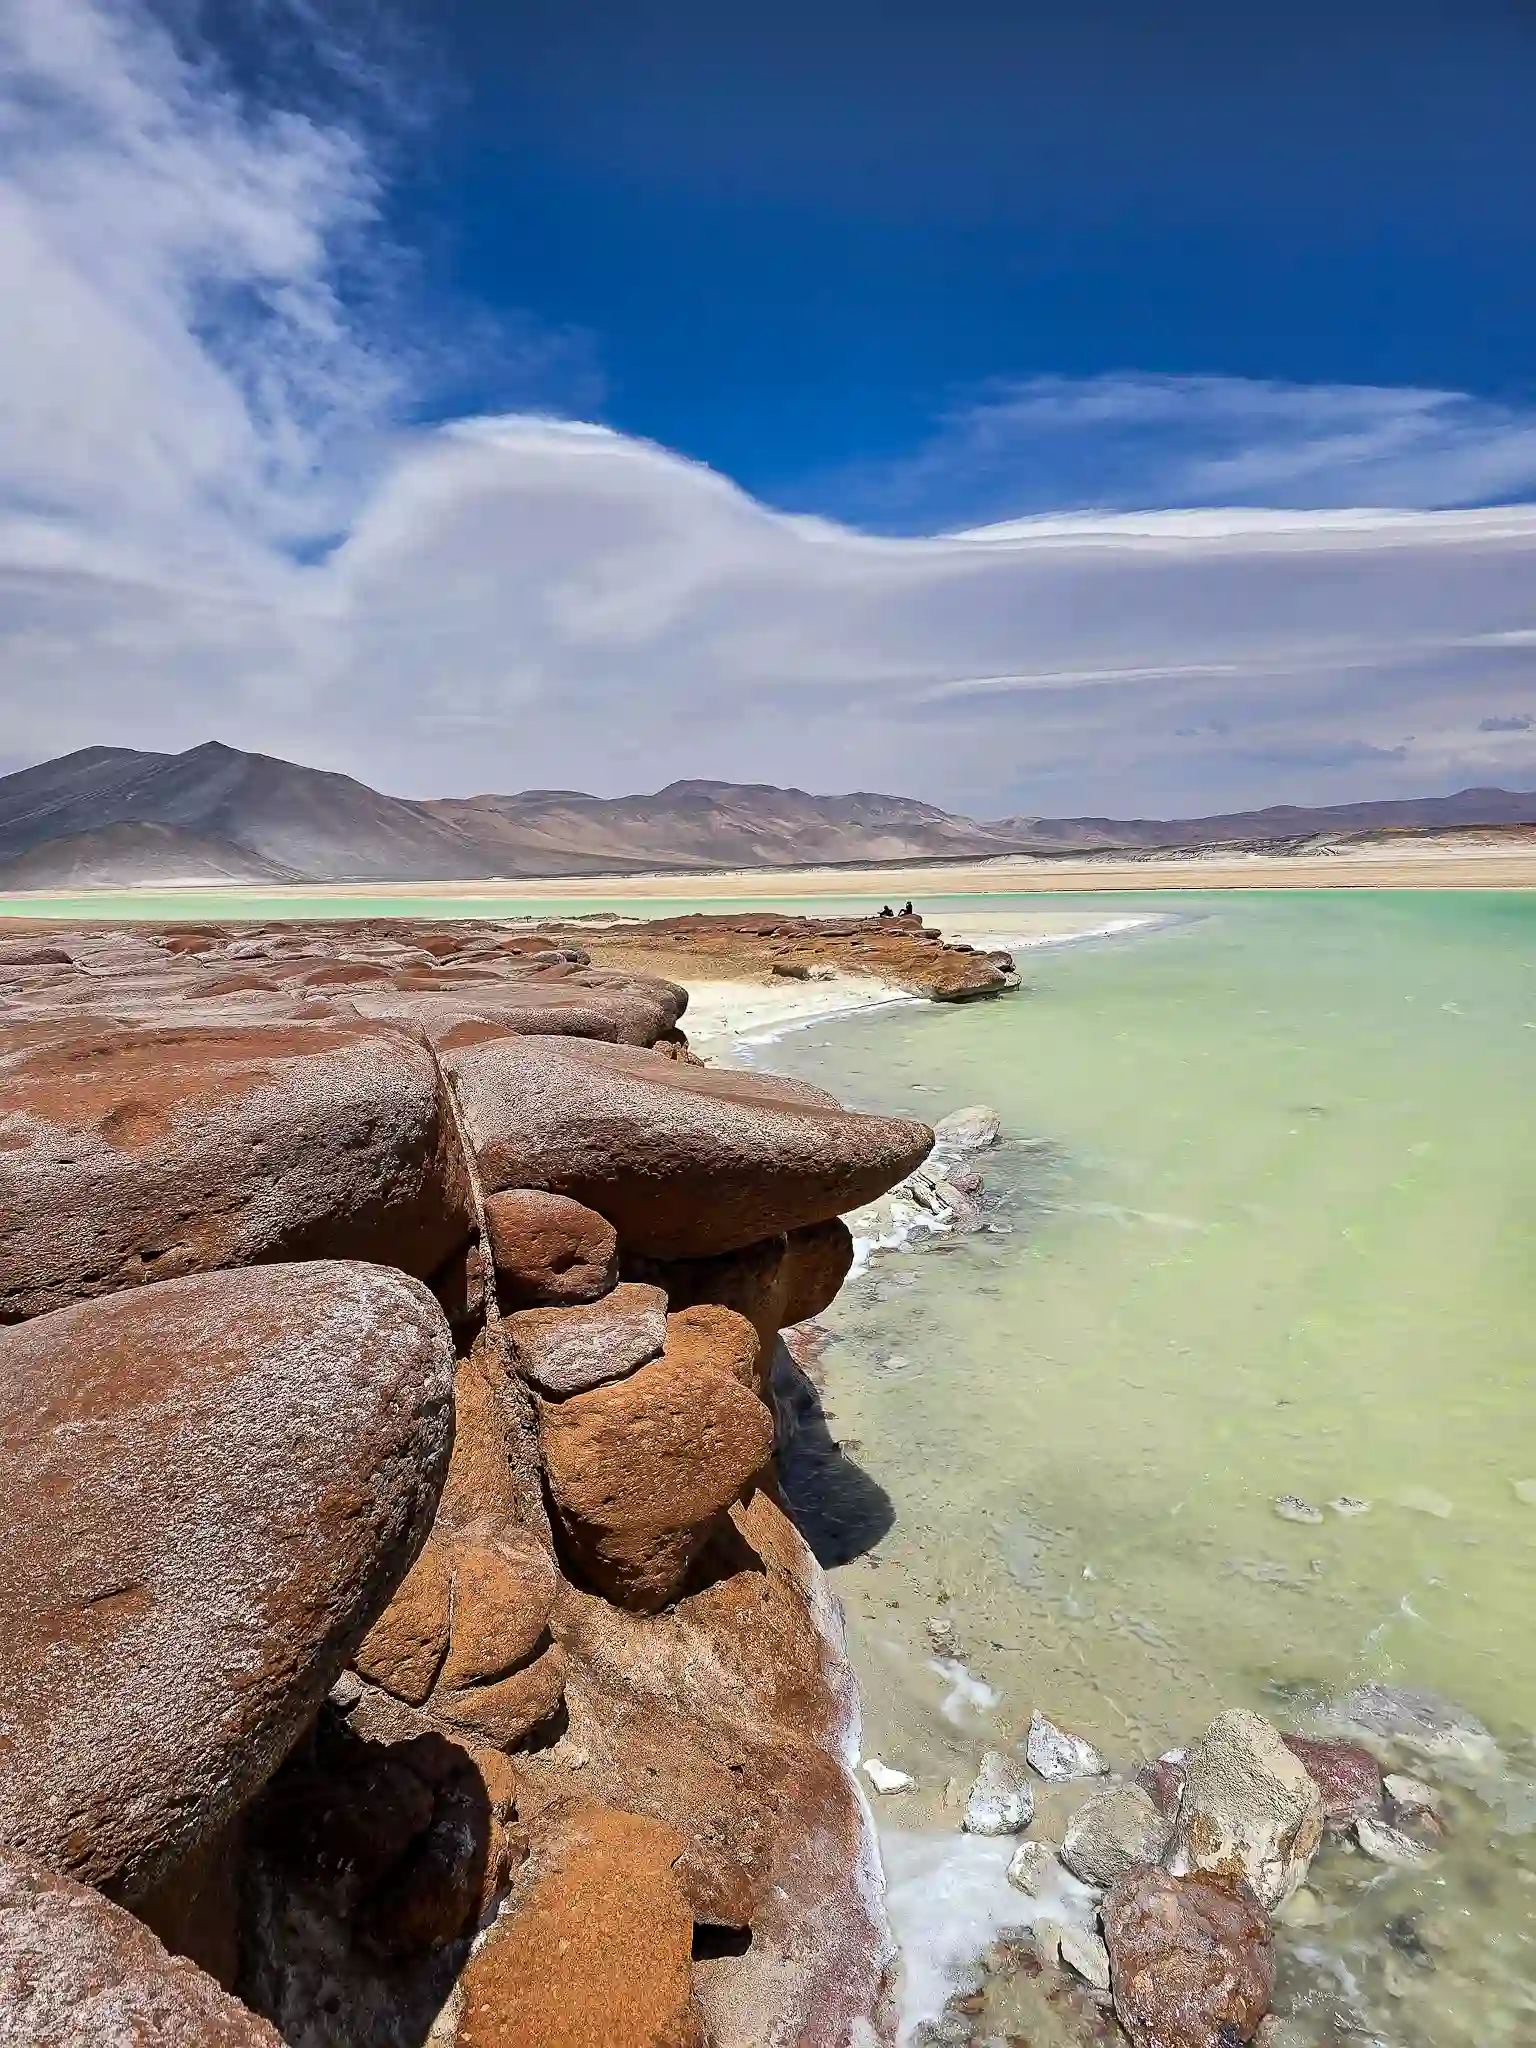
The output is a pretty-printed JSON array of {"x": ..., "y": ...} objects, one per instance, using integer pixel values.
[
  {"x": 1086, "y": 1955},
  {"x": 1412, "y": 1795},
  {"x": 1034, "y": 1866},
  {"x": 1001, "y": 1801},
  {"x": 1290, "y": 1508},
  {"x": 1390, "y": 1845},
  {"x": 1060, "y": 1756},
  {"x": 884, "y": 1779}
]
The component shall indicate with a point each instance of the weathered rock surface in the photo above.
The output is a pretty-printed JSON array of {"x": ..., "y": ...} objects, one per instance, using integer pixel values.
[
  {"x": 775, "y": 1283},
  {"x": 1347, "y": 1776},
  {"x": 549, "y": 1249},
  {"x": 135, "y": 1155},
  {"x": 1249, "y": 1810},
  {"x": 726, "y": 1717},
  {"x": 1190, "y": 1960},
  {"x": 213, "y": 1485},
  {"x": 1114, "y": 1828},
  {"x": 1001, "y": 1801},
  {"x": 968, "y": 1130},
  {"x": 640, "y": 1471},
  {"x": 78, "y": 1972},
  {"x": 569, "y": 1350},
  {"x": 598, "y": 1951},
  {"x": 684, "y": 1161},
  {"x": 718, "y": 1339},
  {"x": 1059, "y": 1756}
]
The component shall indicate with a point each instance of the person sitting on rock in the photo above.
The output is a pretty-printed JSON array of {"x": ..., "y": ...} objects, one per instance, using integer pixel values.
[
  {"x": 886, "y": 910},
  {"x": 907, "y": 910}
]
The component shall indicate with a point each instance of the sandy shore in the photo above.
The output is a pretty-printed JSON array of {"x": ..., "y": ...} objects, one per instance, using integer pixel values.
[
  {"x": 721, "y": 1014},
  {"x": 1465, "y": 863}
]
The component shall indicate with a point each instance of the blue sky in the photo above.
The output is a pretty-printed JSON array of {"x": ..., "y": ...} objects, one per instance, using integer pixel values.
[
  {"x": 1028, "y": 407},
  {"x": 790, "y": 241}
]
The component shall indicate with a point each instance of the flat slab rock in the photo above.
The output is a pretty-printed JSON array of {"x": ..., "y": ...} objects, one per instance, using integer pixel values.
[
  {"x": 212, "y": 1485},
  {"x": 684, "y": 1161},
  {"x": 78, "y": 1972},
  {"x": 565, "y": 1351}
]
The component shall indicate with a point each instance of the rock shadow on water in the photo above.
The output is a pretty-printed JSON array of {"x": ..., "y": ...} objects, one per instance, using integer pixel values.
[{"x": 837, "y": 1507}]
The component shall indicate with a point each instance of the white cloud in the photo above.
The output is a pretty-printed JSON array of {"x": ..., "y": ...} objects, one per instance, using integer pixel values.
[
  {"x": 184, "y": 403},
  {"x": 1127, "y": 441}
]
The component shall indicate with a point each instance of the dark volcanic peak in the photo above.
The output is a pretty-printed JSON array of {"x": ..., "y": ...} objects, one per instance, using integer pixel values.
[{"x": 117, "y": 815}]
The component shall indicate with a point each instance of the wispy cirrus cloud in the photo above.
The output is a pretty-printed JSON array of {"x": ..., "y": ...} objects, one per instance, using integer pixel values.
[{"x": 1128, "y": 442}]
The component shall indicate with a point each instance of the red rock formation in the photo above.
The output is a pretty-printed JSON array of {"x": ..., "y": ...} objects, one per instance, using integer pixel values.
[
  {"x": 132, "y": 1156},
  {"x": 612, "y": 1634},
  {"x": 237, "y": 1469},
  {"x": 598, "y": 1948},
  {"x": 683, "y": 1161},
  {"x": 79, "y": 1972}
]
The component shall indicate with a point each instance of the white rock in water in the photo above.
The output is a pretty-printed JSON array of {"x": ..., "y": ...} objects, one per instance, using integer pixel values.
[
  {"x": 1525, "y": 1490},
  {"x": 1390, "y": 1845},
  {"x": 1060, "y": 1756},
  {"x": 1411, "y": 1794},
  {"x": 1422, "y": 1501},
  {"x": 1086, "y": 1954},
  {"x": 1422, "y": 1721},
  {"x": 1113, "y": 1828},
  {"x": 1292, "y": 1509},
  {"x": 968, "y": 1130},
  {"x": 1001, "y": 1801},
  {"x": 1248, "y": 1809},
  {"x": 1347, "y": 1504},
  {"x": 1034, "y": 1867},
  {"x": 884, "y": 1779}
]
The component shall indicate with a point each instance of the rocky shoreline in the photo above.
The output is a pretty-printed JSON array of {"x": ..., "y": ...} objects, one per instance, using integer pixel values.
[{"x": 408, "y": 1641}]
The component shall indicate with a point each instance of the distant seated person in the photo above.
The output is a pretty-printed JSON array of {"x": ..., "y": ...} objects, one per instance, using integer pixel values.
[
  {"x": 907, "y": 910},
  {"x": 886, "y": 910}
]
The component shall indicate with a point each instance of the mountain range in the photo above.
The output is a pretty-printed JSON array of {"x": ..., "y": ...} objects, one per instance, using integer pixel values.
[{"x": 116, "y": 815}]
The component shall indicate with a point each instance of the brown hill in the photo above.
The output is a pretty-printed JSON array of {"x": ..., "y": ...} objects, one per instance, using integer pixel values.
[{"x": 110, "y": 815}]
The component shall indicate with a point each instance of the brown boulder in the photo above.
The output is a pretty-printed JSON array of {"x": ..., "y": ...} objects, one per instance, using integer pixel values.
[
  {"x": 684, "y": 1161},
  {"x": 718, "y": 1339},
  {"x": 1348, "y": 1777},
  {"x": 135, "y": 1155},
  {"x": 78, "y": 1972},
  {"x": 568, "y": 1350},
  {"x": 404, "y": 1650},
  {"x": 817, "y": 1261},
  {"x": 214, "y": 1485},
  {"x": 640, "y": 1471},
  {"x": 505, "y": 1711},
  {"x": 775, "y": 1283},
  {"x": 1190, "y": 1959},
  {"x": 595, "y": 1952},
  {"x": 504, "y": 1587},
  {"x": 549, "y": 1249}
]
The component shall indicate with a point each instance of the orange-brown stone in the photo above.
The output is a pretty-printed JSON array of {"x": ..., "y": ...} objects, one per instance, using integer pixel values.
[{"x": 596, "y": 1952}]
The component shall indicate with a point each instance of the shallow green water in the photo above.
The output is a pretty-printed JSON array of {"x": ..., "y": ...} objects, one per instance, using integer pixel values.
[{"x": 1276, "y": 1235}]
